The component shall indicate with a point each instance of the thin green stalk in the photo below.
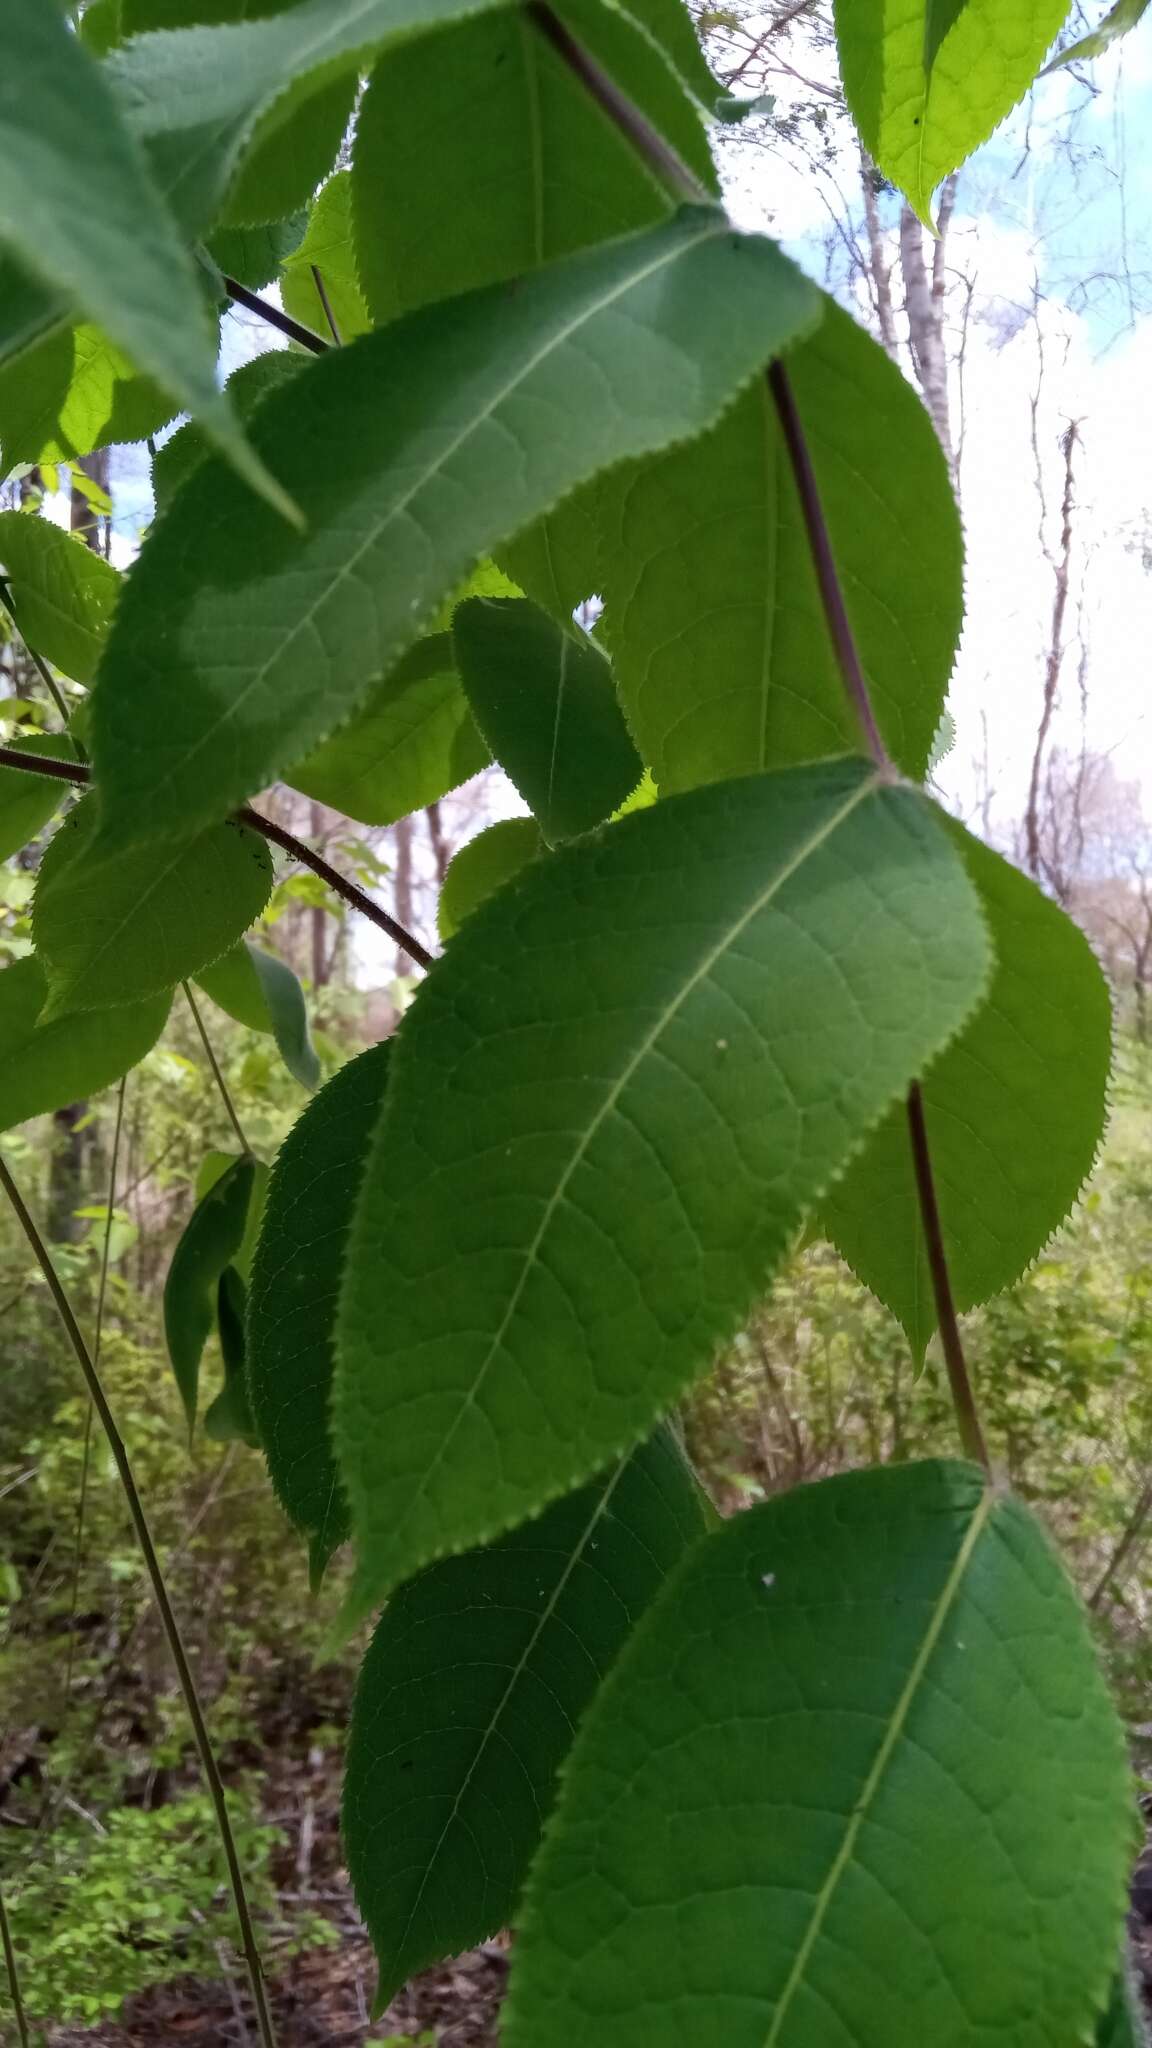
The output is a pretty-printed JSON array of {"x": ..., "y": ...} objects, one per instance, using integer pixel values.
[
  {"x": 168, "y": 1620},
  {"x": 13, "y": 1976},
  {"x": 86, "y": 1455},
  {"x": 41, "y": 666},
  {"x": 214, "y": 1063}
]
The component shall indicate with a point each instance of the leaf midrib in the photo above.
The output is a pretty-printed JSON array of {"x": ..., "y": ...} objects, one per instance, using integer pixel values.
[
  {"x": 700, "y": 973},
  {"x": 872, "y": 1784}
]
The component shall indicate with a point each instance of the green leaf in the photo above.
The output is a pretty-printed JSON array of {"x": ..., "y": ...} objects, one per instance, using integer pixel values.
[
  {"x": 927, "y": 83},
  {"x": 293, "y": 1293},
  {"x": 414, "y": 740},
  {"x": 1119, "y": 21},
  {"x": 43, "y": 1066},
  {"x": 228, "y": 1418},
  {"x": 722, "y": 655},
  {"x": 669, "y": 28},
  {"x": 63, "y": 594},
  {"x": 261, "y": 991},
  {"x": 73, "y": 393},
  {"x": 28, "y": 308},
  {"x": 327, "y": 247},
  {"x": 208, "y": 1243},
  {"x": 199, "y": 99},
  {"x": 482, "y": 866},
  {"x": 468, "y": 1697},
  {"x": 70, "y": 162},
  {"x": 27, "y": 802},
  {"x": 209, "y": 687},
  {"x": 101, "y": 26},
  {"x": 111, "y": 928},
  {"x": 556, "y": 176},
  {"x": 856, "y": 1778},
  {"x": 188, "y": 447},
  {"x": 614, "y": 1098},
  {"x": 1014, "y": 1111},
  {"x": 556, "y": 561},
  {"x": 545, "y": 703},
  {"x": 254, "y": 255},
  {"x": 1122, "y": 2025}
]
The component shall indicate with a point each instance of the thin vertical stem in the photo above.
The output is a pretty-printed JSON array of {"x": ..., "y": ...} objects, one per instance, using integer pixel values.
[
  {"x": 13, "y": 1976},
  {"x": 39, "y": 664},
  {"x": 164, "y": 1608},
  {"x": 214, "y": 1063},
  {"x": 963, "y": 1396}
]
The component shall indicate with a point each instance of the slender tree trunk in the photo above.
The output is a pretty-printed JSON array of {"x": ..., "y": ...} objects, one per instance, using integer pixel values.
[
  {"x": 924, "y": 292},
  {"x": 1062, "y": 572},
  {"x": 879, "y": 265},
  {"x": 404, "y": 888},
  {"x": 317, "y": 914},
  {"x": 441, "y": 852}
]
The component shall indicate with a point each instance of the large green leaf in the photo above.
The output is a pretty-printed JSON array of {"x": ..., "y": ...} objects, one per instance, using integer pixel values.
[
  {"x": 63, "y": 594},
  {"x": 43, "y": 1066},
  {"x": 260, "y": 990},
  {"x": 545, "y": 702},
  {"x": 327, "y": 248},
  {"x": 613, "y": 1099},
  {"x": 207, "y": 1245},
  {"x": 28, "y": 308},
  {"x": 1014, "y": 1111},
  {"x": 1122, "y": 2025},
  {"x": 293, "y": 1293},
  {"x": 476, "y": 1678},
  {"x": 240, "y": 642},
  {"x": 1119, "y": 22},
  {"x": 75, "y": 391},
  {"x": 855, "y": 1779},
  {"x": 27, "y": 802},
  {"x": 199, "y": 99},
  {"x": 78, "y": 206},
  {"x": 556, "y": 175},
  {"x": 722, "y": 655},
  {"x": 111, "y": 928},
  {"x": 482, "y": 866},
  {"x": 228, "y": 1417},
  {"x": 927, "y": 83},
  {"x": 414, "y": 740},
  {"x": 253, "y": 255}
]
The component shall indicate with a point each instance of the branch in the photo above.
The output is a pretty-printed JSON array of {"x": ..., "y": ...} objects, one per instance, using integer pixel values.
[
  {"x": 13, "y": 1975},
  {"x": 78, "y": 772},
  {"x": 168, "y": 1620},
  {"x": 283, "y": 322}
]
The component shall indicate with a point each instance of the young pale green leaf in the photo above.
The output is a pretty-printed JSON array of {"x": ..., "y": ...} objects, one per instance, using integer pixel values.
[
  {"x": 722, "y": 655},
  {"x": 261, "y": 991},
  {"x": 856, "y": 1778},
  {"x": 43, "y": 1066},
  {"x": 414, "y": 740},
  {"x": 1014, "y": 1110},
  {"x": 63, "y": 594},
  {"x": 927, "y": 83},
  {"x": 613, "y": 1100},
  {"x": 468, "y": 1697},
  {"x": 482, "y": 866},
  {"x": 208, "y": 1243},
  {"x": 28, "y": 802},
  {"x": 556, "y": 176},
  {"x": 239, "y": 643},
  {"x": 293, "y": 1293},
  {"x": 74, "y": 392},
  {"x": 113, "y": 927},
  {"x": 79, "y": 207},
  {"x": 188, "y": 447},
  {"x": 327, "y": 248},
  {"x": 212, "y": 102},
  {"x": 1119, "y": 21},
  {"x": 545, "y": 703},
  {"x": 228, "y": 1417}
]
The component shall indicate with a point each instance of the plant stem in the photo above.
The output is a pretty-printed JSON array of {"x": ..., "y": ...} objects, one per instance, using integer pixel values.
[
  {"x": 39, "y": 664},
  {"x": 168, "y": 1621},
  {"x": 217, "y": 1074},
  {"x": 86, "y": 1455},
  {"x": 326, "y": 303},
  {"x": 963, "y": 1395},
  {"x": 350, "y": 892},
  {"x": 824, "y": 561},
  {"x": 667, "y": 167},
  {"x": 681, "y": 184},
  {"x": 13, "y": 1976},
  {"x": 283, "y": 322}
]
